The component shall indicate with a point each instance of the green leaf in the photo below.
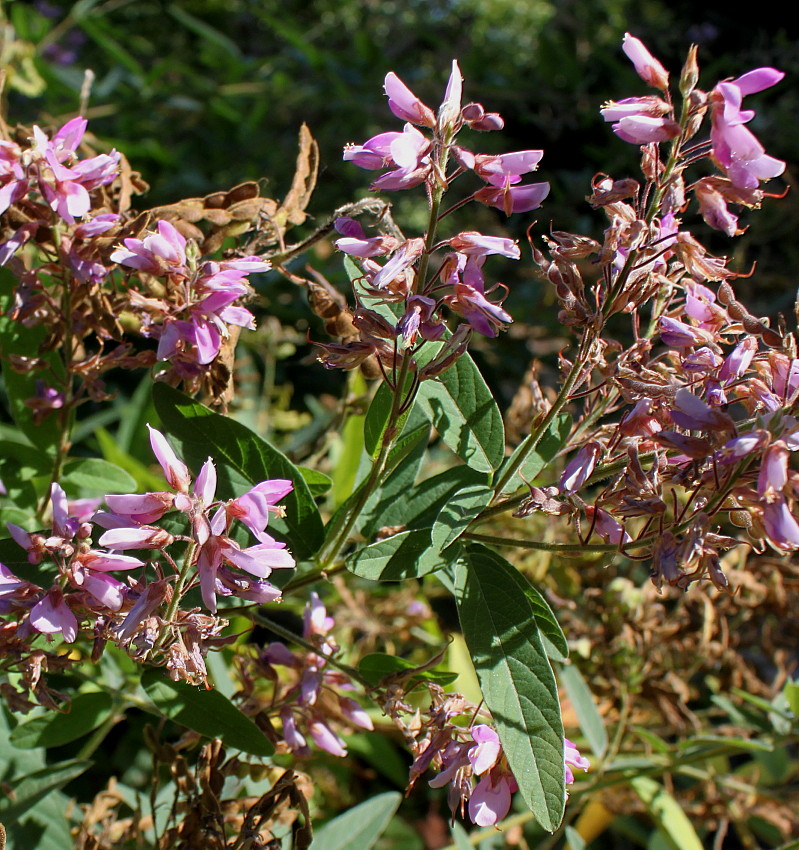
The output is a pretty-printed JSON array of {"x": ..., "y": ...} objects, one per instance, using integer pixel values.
[
  {"x": 456, "y": 514},
  {"x": 30, "y": 789},
  {"x": 715, "y": 741},
  {"x": 359, "y": 828},
  {"x": 518, "y": 684},
  {"x": 551, "y": 442},
  {"x": 96, "y": 477},
  {"x": 16, "y": 338},
  {"x": 554, "y": 640},
  {"x": 409, "y": 554},
  {"x": 378, "y": 665},
  {"x": 465, "y": 414},
  {"x": 84, "y": 713},
  {"x": 588, "y": 715},
  {"x": 461, "y": 837},
  {"x": 207, "y": 712},
  {"x": 376, "y": 422},
  {"x": 389, "y": 504},
  {"x": 243, "y": 459},
  {"x": 318, "y": 483},
  {"x": 382, "y": 754},
  {"x": 667, "y": 813},
  {"x": 347, "y": 459},
  {"x": 574, "y": 839}
]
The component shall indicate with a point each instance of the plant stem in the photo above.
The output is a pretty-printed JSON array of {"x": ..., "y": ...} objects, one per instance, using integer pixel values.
[
  {"x": 400, "y": 402},
  {"x": 534, "y": 437}
]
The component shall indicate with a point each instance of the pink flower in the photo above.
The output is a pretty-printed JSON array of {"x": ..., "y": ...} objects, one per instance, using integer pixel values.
[
  {"x": 579, "y": 468},
  {"x": 486, "y": 750},
  {"x": 159, "y": 253},
  {"x": 51, "y": 616},
  {"x": 476, "y": 244},
  {"x": 175, "y": 471},
  {"x": 736, "y": 150},
  {"x": 573, "y": 759},
  {"x": 326, "y": 739},
  {"x": 491, "y": 798},
  {"x": 646, "y": 66},
  {"x": 141, "y": 508},
  {"x": 254, "y": 506},
  {"x": 404, "y": 103},
  {"x": 514, "y": 199}
]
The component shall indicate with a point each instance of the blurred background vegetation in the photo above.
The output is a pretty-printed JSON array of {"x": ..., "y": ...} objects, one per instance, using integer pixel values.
[{"x": 202, "y": 95}]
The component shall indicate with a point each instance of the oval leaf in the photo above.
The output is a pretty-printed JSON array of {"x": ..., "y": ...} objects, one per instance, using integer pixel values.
[
  {"x": 359, "y": 828},
  {"x": 96, "y": 477},
  {"x": 207, "y": 712},
  {"x": 588, "y": 715},
  {"x": 518, "y": 684},
  {"x": 667, "y": 813},
  {"x": 409, "y": 554},
  {"x": 243, "y": 459},
  {"x": 463, "y": 411},
  {"x": 458, "y": 512},
  {"x": 85, "y": 713}
]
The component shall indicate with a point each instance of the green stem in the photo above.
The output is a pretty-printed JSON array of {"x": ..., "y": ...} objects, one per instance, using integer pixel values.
[
  {"x": 346, "y": 522},
  {"x": 66, "y": 415},
  {"x": 180, "y": 584},
  {"x": 534, "y": 437},
  {"x": 577, "y": 548}
]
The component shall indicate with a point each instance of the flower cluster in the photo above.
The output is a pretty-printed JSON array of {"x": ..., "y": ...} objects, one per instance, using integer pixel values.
[
  {"x": 75, "y": 216},
  {"x": 310, "y": 705},
  {"x": 53, "y": 169},
  {"x": 426, "y": 153},
  {"x": 192, "y": 321},
  {"x": 470, "y": 761},
  {"x": 141, "y": 615},
  {"x": 733, "y": 147},
  {"x": 706, "y": 394}
]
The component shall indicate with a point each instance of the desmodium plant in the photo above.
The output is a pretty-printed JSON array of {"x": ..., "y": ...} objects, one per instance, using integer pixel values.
[{"x": 664, "y": 435}]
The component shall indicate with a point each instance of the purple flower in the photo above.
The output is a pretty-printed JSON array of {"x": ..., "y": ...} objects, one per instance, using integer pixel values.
[
  {"x": 646, "y": 66},
  {"x": 175, "y": 471},
  {"x": 736, "y": 150},
  {"x": 486, "y": 750},
  {"x": 253, "y": 508},
  {"x": 514, "y": 199},
  {"x": 491, "y": 798},
  {"x": 579, "y": 468},
  {"x": 404, "y": 103},
  {"x": 51, "y": 616},
  {"x": 780, "y": 524},
  {"x": 476, "y": 244},
  {"x": 326, "y": 739},
  {"x": 572, "y": 758},
  {"x": 159, "y": 253}
]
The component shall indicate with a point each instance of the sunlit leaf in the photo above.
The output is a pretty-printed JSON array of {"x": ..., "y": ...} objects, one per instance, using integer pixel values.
[
  {"x": 360, "y": 827},
  {"x": 515, "y": 677}
]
